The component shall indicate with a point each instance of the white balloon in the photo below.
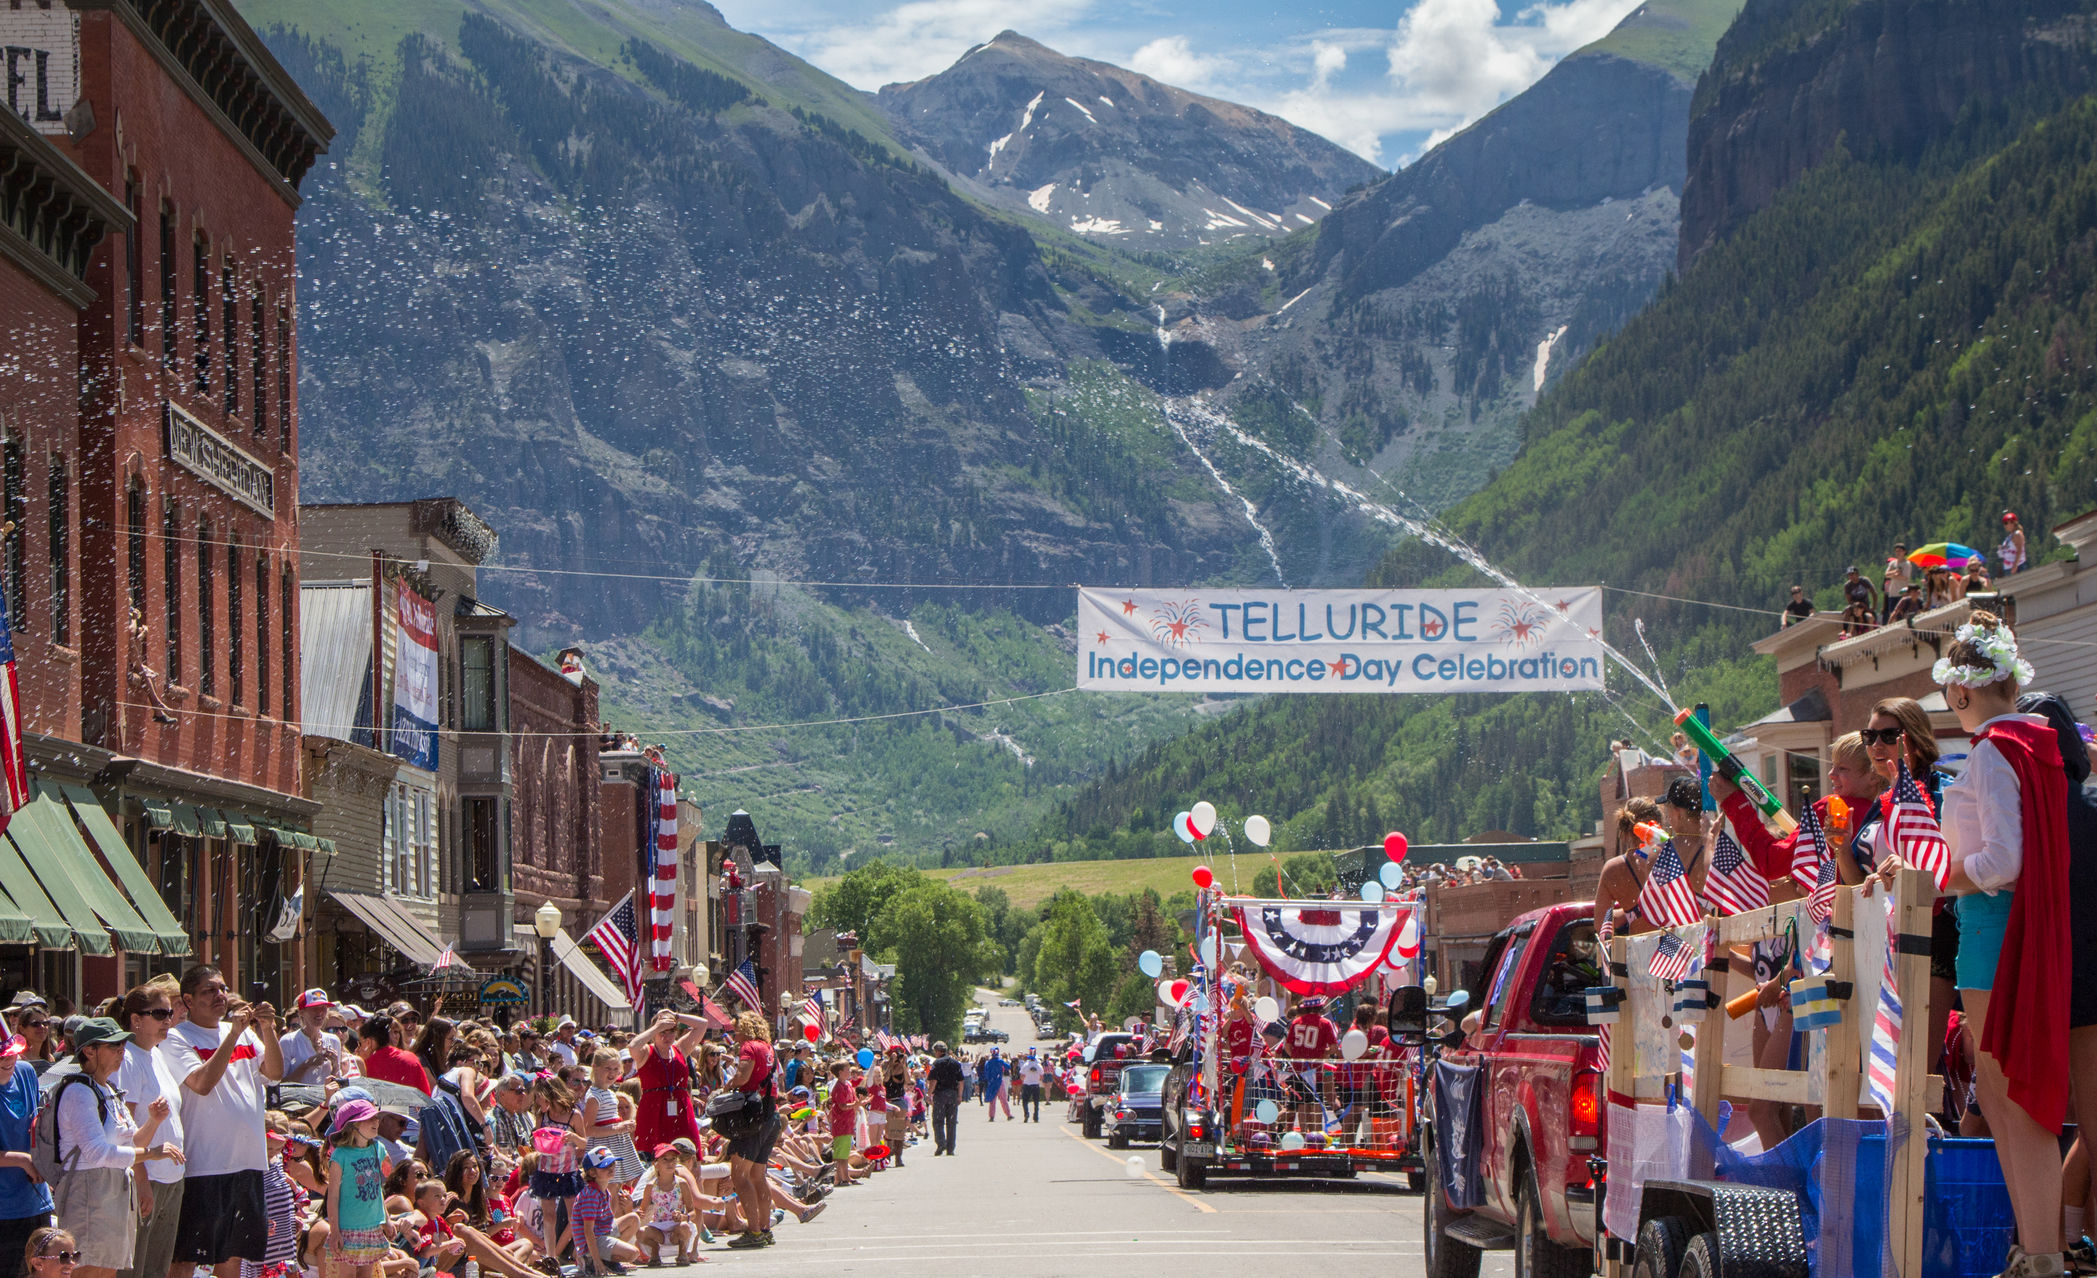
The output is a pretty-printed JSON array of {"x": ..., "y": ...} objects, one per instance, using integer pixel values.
[
  {"x": 1150, "y": 963},
  {"x": 1392, "y": 874},
  {"x": 1292, "y": 1140},
  {"x": 1208, "y": 951},
  {"x": 1134, "y": 1166},
  {"x": 1372, "y": 891},
  {"x": 1257, "y": 831},
  {"x": 1266, "y": 1111},
  {"x": 1409, "y": 935},
  {"x": 1165, "y": 994},
  {"x": 1204, "y": 814},
  {"x": 1266, "y": 1008},
  {"x": 1353, "y": 1044},
  {"x": 1181, "y": 827}
]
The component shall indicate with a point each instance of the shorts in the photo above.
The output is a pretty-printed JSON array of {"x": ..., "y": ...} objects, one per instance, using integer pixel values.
[
  {"x": 222, "y": 1219},
  {"x": 1944, "y": 944},
  {"x": 841, "y": 1147},
  {"x": 1982, "y": 921},
  {"x": 99, "y": 1211},
  {"x": 362, "y": 1246},
  {"x": 756, "y": 1147},
  {"x": 548, "y": 1186},
  {"x": 154, "y": 1247}
]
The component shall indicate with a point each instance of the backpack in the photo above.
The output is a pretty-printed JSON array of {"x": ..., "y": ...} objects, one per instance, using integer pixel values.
[
  {"x": 447, "y": 1128},
  {"x": 44, "y": 1135}
]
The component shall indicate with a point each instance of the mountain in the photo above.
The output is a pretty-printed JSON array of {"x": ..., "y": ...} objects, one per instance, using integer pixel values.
[
  {"x": 1406, "y": 333},
  {"x": 1895, "y": 343},
  {"x": 1116, "y": 156}
]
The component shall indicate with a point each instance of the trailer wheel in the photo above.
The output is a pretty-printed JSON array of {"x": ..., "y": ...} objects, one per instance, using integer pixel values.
[
  {"x": 1536, "y": 1256},
  {"x": 1446, "y": 1257},
  {"x": 1700, "y": 1258},
  {"x": 1193, "y": 1172},
  {"x": 1092, "y": 1123},
  {"x": 1661, "y": 1242},
  {"x": 1168, "y": 1155},
  {"x": 1416, "y": 1181}
]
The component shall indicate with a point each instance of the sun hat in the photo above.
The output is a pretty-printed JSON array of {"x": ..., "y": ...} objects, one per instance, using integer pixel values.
[
  {"x": 98, "y": 1030},
  {"x": 313, "y": 998},
  {"x": 353, "y": 1112},
  {"x": 684, "y": 1145}
]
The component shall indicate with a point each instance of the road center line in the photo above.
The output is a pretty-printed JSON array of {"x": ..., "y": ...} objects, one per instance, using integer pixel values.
[{"x": 1174, "y": 1190}]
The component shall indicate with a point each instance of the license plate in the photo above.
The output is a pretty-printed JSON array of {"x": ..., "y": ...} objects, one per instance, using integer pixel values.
[{"x": 1197, "y": 1149}]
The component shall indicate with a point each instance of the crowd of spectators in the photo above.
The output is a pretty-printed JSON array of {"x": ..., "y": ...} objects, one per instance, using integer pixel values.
[{"x": 1905, "y": 589}]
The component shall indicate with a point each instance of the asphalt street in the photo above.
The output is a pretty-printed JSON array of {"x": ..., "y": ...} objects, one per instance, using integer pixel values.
[{"x": 1024, "y": 1199}]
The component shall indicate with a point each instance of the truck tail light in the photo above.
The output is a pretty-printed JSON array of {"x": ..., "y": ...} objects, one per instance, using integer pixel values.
[
  {"x": 1095, "y": 1078},
  {"x": 1193, "y": 1127},
  {"x": 1586, "y": 1103},
  {"x": 1121, "y": 1115}
]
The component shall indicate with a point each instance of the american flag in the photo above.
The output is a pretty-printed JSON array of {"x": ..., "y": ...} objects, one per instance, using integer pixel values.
[
  {"x": 1666, "y": 898},
  {"x": 662, "y": 868},
  {"x": 1820, "y": 906},
  {"x": 617, "y": 937},
  {"x": 1734, "y": 885},
  {"x": 742, "y": 983},
  {"x": 1671, "y": 958},
  {"x": 715, "y": 1012},
  {"x": 14, "y": 767},
  {"x": 844, "y": 1024},
  {"x": 449, "y": 958},
  {"x": 1809, "y": 850},
  {"x": 812, "y": 1007},
  {"x": 1073, "y": 1004},
  {"x": 1917, "y": 838}
]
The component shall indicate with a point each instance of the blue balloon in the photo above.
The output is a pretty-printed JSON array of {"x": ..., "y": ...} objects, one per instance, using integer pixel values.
[
  {"x": 865, "y": 1058},
  {"x": 1150, "y": 963},
  {"x": 1266, "y": 1111},
  {"x": 1372, "y": 891},
  {"x": 1392, "y": 874}
]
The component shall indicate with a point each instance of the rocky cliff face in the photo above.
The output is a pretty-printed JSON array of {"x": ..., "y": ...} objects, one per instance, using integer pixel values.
[
  {"x": 1116, "y": 156},
  {"x": 1793, "y": 79}
]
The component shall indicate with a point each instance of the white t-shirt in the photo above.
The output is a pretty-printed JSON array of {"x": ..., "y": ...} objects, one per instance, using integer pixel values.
[
  {"x": 144, "y": 1077},
  {"x": 223, "y": 1130},
  {"x": 1030, "y": 1071},
  {"x": 562, "y": 1050},
  {"x": 298, "y": 1049}
]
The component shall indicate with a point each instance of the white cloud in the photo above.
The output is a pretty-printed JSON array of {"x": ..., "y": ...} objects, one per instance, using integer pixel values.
[
  {"x": 924, "y": 37},
  {"x": 1327, "y": 61},
  {"x": 1173, "y": 60}
]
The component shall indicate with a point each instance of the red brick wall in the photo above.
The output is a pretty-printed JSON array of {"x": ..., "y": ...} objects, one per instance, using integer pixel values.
[
  {"x": 149, "y": 127},
  {"x": 1851, "y": 706},
  {"x": 621, "y": 868},
  {"x": 555, "y": 845},
  {"x": 39, "y": 406}
]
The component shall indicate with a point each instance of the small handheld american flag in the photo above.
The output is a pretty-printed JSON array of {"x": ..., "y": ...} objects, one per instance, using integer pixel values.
[
  {"x": 1666, "y": 898},
  {"x": 742, "y": 983},
  {"x": 1917, "y": 838},
  {"x": 1734, "y": 885},
  {"x": 1671, "y": 958},
  {"x": 1809, "y": 851}
]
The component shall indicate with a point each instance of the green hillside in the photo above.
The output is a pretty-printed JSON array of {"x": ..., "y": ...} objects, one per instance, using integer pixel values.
[{"x": 1676, "y": 35}]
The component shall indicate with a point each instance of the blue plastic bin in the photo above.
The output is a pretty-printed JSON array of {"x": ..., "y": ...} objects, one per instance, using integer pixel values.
[{"x": 1970, "y": 1221}]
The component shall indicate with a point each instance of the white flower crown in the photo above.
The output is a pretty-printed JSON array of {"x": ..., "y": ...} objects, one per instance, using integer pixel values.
[{"x": 1999, "y": 646}]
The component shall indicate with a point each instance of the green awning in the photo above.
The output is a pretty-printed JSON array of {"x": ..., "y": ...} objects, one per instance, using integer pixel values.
[
  {"x": 187, "y": 821},
  {"x": 47, "y": 926},
  {"x": 240, "y": 827},
  {"x": 16, "y": 928},
  {"x": 326, "y": 845},
  {"x": 214, "y": 822},
  {"x": 102, "y": 832},
  {"x": 75, "y": 881},
  {"x": 303, "y": 841},
  {"x": 160, "y": 814}
]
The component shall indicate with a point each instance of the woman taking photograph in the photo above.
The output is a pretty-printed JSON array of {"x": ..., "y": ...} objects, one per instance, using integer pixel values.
[
  {"x": 2005, "y": 821},
  {"x": 750, "y": 1155},
  {"x": 98, "y": 1144}
]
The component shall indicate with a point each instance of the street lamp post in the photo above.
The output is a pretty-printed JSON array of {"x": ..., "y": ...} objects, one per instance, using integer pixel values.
[{"x": 546, "y": 921}]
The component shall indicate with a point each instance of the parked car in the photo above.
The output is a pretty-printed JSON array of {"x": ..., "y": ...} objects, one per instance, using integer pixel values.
[
  {"x": 1008, "y": 1002},
  {"x": 1137, "y": 1109},
  {"x": 1105, "y": 1057},
  {"x": 1534, "y": 1111}
]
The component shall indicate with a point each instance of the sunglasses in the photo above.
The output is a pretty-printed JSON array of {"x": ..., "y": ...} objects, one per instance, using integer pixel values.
[
  {"x": 159, "y": 1013},
  {"x": 62, "y": 1257},
  {"x": 1881, "y": 736},
  {"x": 37, "y": 1024}
]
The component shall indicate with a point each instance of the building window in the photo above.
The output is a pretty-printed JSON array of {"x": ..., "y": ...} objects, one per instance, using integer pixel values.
[
  {"x": 169, "y": 286},
  {"x": 229, "y": 301},
  {"x": 283, "y": 376},
  {"x": 424, "y": 828},
  {"x": 390, "y": 833},
  {"x": 16, "y": 500},
  {"x": 255, "y": 357},
  {"x": 61, "y": 545},
  {"x": 200, "y": 310},
  {"x": 287, "y": 618},
  {"x": 207, "y": 629},
  {"x": 236, "y": 637},
  {"x": 262, "y": 632},
  {"x": 134, "y": 266},
  {"x": 410, "y": 841},
  {"x": 135, "y": 546},
  {"x": 483, "y": 866},
  {"x": 171, "y": 569},
  {"x": 477, "y": 685}
]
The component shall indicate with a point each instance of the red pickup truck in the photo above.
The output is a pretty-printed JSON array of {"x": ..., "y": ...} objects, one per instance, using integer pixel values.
[{"x": 1519, "y": 1100}]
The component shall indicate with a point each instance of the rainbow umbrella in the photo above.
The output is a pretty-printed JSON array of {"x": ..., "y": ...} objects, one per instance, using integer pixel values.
[{"x": 1944, "y": 554}]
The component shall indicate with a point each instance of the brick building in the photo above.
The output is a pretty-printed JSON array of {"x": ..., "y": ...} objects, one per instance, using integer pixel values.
[{"x": 156, "y": 545}]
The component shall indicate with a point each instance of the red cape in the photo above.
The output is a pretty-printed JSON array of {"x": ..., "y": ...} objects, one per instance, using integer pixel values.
[{"x": 2027, "y": 1029}]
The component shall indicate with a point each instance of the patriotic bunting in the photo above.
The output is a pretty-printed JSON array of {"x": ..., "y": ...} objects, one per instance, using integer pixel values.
[{"x": 661, "y": 864}]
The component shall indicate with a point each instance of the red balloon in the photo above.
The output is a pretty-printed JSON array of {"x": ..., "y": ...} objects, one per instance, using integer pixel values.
[
  {"x": 1203, "y": 877},
  {"x": 812, "y": 1032},
  {"x": 1179, "y": 992},
  {"x": 1394, "y": 846}
]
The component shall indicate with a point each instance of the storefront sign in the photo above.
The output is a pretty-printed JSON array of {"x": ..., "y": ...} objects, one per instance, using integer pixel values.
[
  {"x": 499, "y": 991},
  {"x": 1548, "y": 640},
  {"x": 415, "y": 682},
  {"x": 40, "y": 59},
  {"x": 220, "y": 462}
]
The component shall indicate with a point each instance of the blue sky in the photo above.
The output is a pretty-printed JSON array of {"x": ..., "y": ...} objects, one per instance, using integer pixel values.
[{"x": 1384, "y": 78}]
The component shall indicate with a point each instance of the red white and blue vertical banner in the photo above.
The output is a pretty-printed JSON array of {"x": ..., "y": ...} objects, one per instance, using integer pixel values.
[
  {"x": 1545, "y": 640},
  {"x": 14, "y": 767},
  {"x": 415, "y": 682},
  {"x": 662, "y": 868}
]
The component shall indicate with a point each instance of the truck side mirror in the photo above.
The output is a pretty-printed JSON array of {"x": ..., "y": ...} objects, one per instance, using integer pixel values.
[{"x": 1407, "y": 1017}]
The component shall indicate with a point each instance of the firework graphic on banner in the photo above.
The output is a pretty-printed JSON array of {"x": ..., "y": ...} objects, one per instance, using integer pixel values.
[
  {"x": 1521, "y": 625},
  {"x": 1178, "y": 624}
]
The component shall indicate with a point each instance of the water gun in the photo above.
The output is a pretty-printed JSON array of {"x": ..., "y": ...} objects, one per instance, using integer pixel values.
[
  {"x": 1650, "y": 836},
  {"x": 1731, "y": 769}
]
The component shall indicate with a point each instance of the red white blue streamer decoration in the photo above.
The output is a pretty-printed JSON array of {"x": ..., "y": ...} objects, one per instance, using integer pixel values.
[{"x": 1319, "y": 947}]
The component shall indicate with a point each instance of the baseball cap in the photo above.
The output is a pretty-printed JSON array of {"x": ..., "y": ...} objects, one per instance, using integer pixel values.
[
  {"x": 599, "y": 1156},
  {"x": 314, "y": 998},
  {"x": 663, "y": 1150},
  {"x": 98, "y": 1030},
  {"x": 684, "y": 1145}
]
